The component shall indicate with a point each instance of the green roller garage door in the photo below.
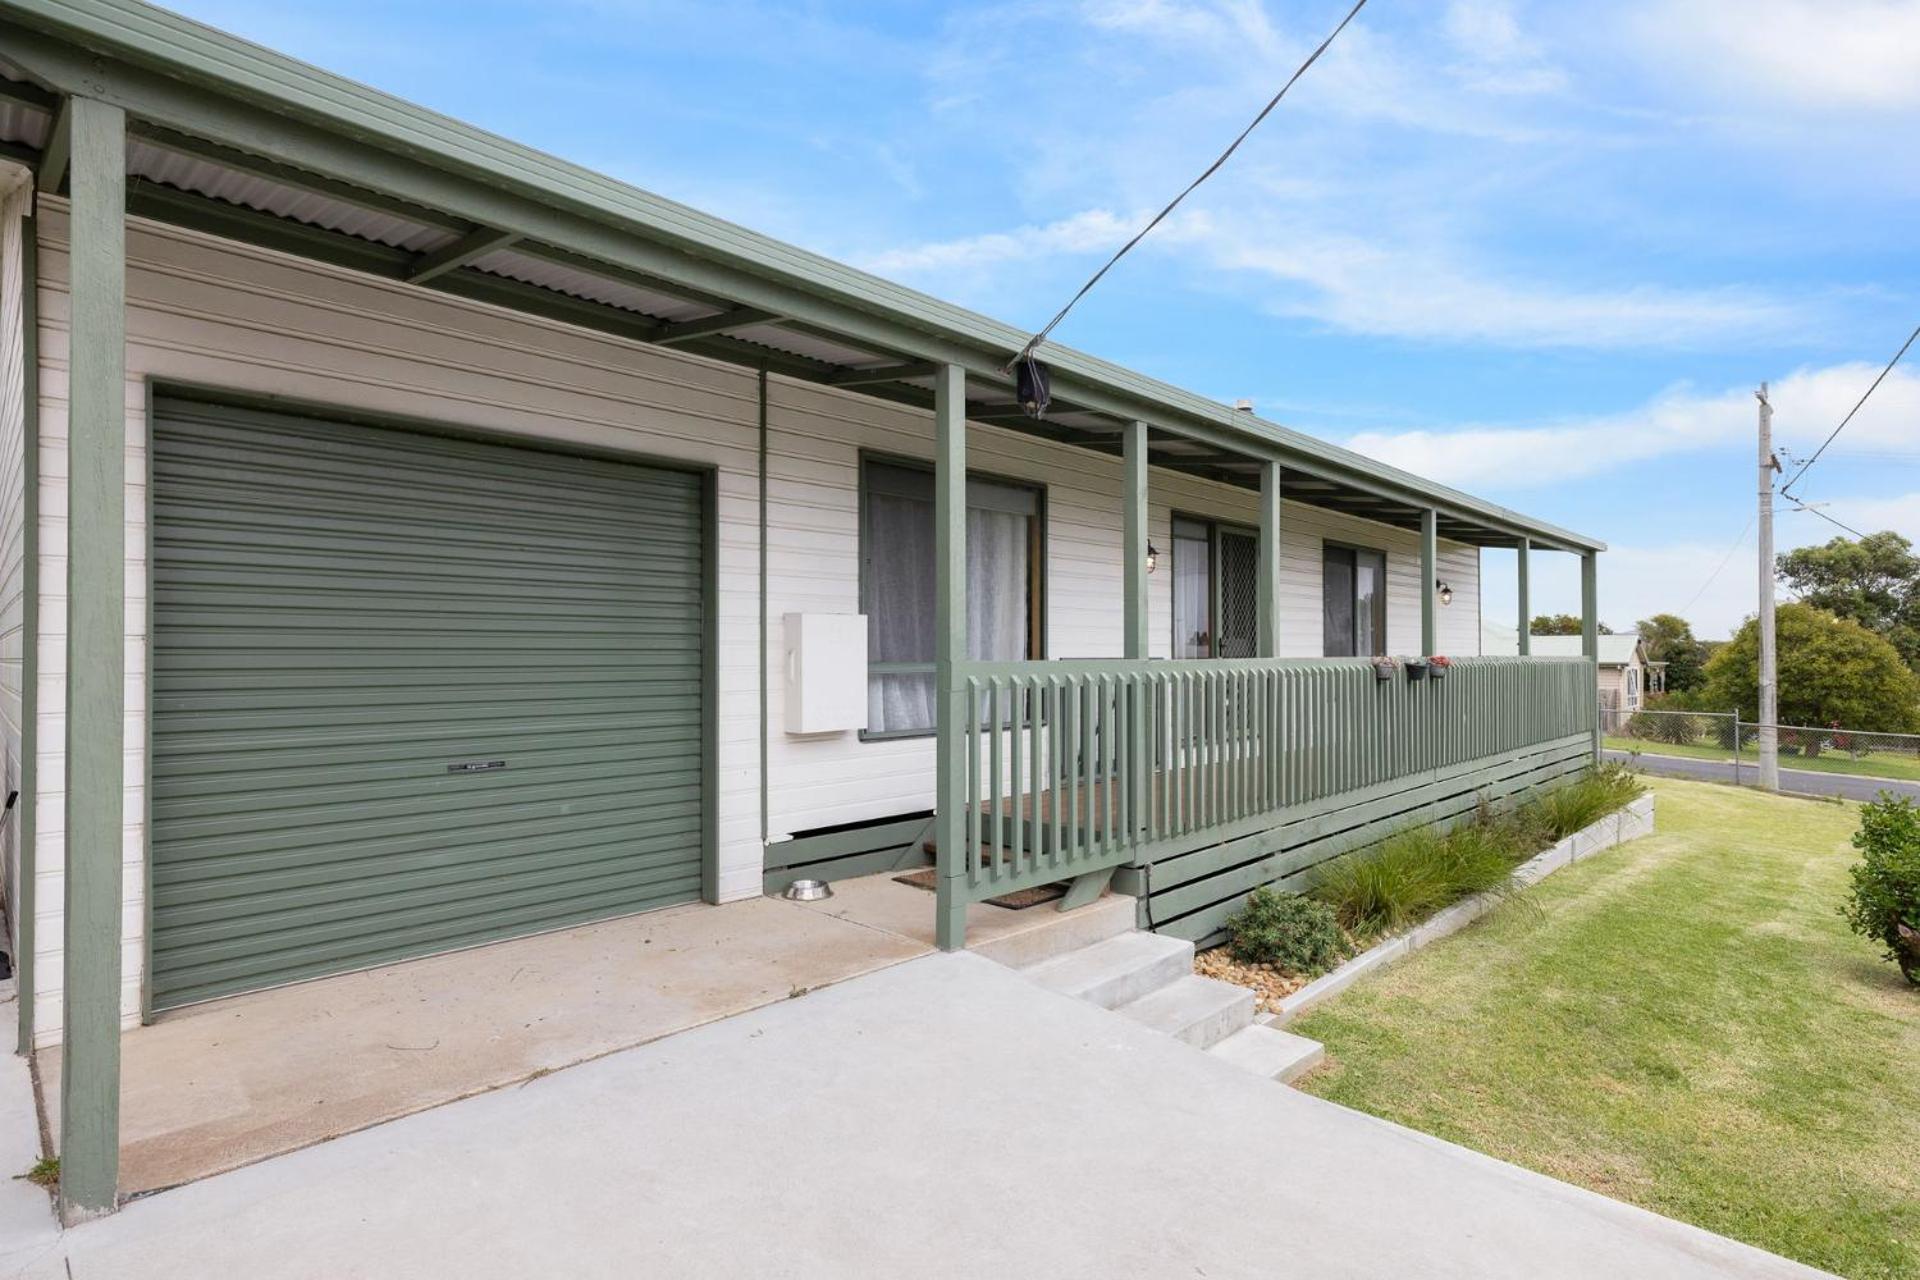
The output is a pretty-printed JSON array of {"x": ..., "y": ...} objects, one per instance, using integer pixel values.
[{"x": 411, "y": 692}]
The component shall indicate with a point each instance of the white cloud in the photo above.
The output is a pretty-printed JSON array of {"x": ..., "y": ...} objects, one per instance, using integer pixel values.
[
  {"x": 1824, "y": 54},
  {"x": 1494, "y": 54},
  {"x": 1431, "y": 291},
  {"x": 1712, "y": 585},
  {"x": 1354, "y": 284},
  {"x": 1807, "y": 405},
  {"x": 1091, "y": 231}
]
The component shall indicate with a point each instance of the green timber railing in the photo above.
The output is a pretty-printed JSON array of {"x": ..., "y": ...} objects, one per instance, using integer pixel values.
[{"x": 1079, "y": 767}]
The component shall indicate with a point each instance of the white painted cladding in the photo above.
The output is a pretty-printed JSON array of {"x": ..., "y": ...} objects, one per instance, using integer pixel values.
[
  {"x": 15, "y": 192},
  {"x": 220, "y": 315},
  {"x": 813, "y": 548}
]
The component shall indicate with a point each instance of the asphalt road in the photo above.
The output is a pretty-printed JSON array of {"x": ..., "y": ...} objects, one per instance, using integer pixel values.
[{"x": 1850, "y": 786}]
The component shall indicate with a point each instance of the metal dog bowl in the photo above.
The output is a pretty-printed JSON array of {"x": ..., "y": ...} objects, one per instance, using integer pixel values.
[{"x": 808, "y": 890}]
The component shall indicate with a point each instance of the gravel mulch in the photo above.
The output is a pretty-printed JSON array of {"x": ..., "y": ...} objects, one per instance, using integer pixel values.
[{"x": 1269, "y": 986}]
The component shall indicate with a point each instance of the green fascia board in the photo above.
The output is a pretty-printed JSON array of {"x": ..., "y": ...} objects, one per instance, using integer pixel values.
[{"x": 206, "y": 82}]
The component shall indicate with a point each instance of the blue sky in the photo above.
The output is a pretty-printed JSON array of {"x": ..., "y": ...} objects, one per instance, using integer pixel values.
[{"x": 1543, "y": 251}]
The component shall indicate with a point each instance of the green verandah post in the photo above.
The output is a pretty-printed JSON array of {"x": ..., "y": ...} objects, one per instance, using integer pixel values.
[
  {"x": 96, "y": 654},
  {"x": 1522, "y": 570},
  {"x": 1269, "y": 593},
  {"x": 1430, "y": 576},
  {"x": 1134, "y": 614},
  {"x": 1590, "y": 637},
  {"x": 952, "y": 804}
]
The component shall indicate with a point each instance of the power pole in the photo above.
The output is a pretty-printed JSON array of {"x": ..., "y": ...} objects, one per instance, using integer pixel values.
[{"x": 1769, "y": 731}]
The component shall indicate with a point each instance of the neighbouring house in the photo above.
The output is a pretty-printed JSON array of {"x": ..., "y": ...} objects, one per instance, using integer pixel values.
[
  {"x": 410, "y": 540},
  {"x": 1625, "y": 677}
]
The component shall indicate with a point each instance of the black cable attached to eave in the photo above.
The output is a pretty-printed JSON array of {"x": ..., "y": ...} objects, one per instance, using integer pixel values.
[{"x": 1026, "y": 352}]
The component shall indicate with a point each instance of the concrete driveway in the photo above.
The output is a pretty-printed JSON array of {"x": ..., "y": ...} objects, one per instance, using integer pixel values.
[
  {"x": 1806, "y": 782},
  {"x": 944, "y": 1117}
]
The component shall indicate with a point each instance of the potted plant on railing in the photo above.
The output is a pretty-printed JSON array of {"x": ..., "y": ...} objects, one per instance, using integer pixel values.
[
  {"x": 1383, "y": 669},
  {"x": 1438, "y": 666},
  {"x": 1416, "y": 668}
]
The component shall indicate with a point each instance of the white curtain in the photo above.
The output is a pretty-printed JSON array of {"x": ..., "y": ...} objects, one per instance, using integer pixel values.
[
  {"x": 901, "y": 601},
  {"x": 1192, "y": 597}
]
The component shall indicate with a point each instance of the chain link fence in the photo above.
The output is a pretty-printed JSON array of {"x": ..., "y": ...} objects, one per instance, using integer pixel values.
[
  {"x": 1725, "y": 737},
  {"x": 1835, "y": 745}
]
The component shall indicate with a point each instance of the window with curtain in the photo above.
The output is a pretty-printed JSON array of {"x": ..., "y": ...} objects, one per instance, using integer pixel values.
[
  {"x": 1216, "y": 590},
  {"x": 1353, "y": 594},
  {"x": 896, "y": 586}
]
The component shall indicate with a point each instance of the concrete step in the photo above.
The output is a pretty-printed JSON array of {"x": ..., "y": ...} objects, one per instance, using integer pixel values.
[
  {"x": 1200, "y": 1011},
  {"x": 1044, "y": 933},
  {"x": 1270, "y": 1053},
  {"x": 1119, "y": 970}
]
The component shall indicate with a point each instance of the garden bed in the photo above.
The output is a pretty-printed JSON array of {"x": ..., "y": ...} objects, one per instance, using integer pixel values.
[
  {"x": 1629, "y": 823},
  {"x": 1422, "y": 883}
]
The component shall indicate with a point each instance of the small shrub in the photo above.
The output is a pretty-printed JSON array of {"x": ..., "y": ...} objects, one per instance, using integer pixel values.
[
  {"x": 1581, "y": 803},
  {"x": 44, "y": 1173},
  {"x": 1398, "y": 882},
  {"x": 1884, "y": 902},
  {"x": 1294, "y": 934},
  {"x": 1658, "y": 725}
]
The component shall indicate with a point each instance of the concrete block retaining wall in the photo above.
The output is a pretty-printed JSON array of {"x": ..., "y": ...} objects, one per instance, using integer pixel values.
[{"x": 1629, "y": 823}]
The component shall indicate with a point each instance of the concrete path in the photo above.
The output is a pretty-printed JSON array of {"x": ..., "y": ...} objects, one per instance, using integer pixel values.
[
  {"x": 1807, "y": 782},
  {"x": 944, "y": 1117}
]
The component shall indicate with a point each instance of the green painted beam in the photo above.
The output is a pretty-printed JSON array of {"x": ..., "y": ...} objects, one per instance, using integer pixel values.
[
  {"x": 1268, "y": 602},
  {"x": 58, "y": 149},
  {"x": 952, "y": 804},
  {"x": 472, "y": 247},
  {"x": 95, "y": 662},
  {"x": 708, "y": 326},
  {"x": 888, "y": 373},
  {"x": 1523, "y": 569},
  {"x": 1429, "y": 575}
]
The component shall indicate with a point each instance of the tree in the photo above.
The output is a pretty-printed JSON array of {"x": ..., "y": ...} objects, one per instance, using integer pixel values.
[
  {"x": 1874, "y": 580},
  {"x": 1832, "y": 671},
  {"x": 1670, "y": 639},
  {"x": 1561, "y": 624}
]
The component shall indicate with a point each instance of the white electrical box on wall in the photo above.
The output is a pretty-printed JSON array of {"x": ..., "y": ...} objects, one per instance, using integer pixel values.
[{"x": 826, "y": 658}]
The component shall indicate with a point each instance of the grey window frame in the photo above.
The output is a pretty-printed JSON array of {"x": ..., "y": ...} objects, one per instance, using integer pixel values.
[
  {"x": 1036, "y": 576},
  {"x": 1380, "y": 611},
  {"x": 1216, "y": 584}
]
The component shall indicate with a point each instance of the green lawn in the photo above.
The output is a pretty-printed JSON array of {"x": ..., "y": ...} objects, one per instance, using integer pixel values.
[
  {"x": 1868, "y": 766},
  {"x": 1682, "y": 1022}
]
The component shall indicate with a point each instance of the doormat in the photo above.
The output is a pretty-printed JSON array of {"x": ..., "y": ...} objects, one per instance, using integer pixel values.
[{"x": 1018, "y": 900}]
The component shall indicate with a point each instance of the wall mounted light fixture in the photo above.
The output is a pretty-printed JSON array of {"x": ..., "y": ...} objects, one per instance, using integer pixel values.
[
  {"x": 1445, "y": 589},
  {"x": 1153, "y": 557}
]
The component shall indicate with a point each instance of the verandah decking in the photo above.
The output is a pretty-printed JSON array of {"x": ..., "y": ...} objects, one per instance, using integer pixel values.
[{"x": 1200, "y": 781}]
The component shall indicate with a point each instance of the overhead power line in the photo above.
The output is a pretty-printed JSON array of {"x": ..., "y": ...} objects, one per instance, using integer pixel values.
[
  {"x": 1713, "y": 577},
  {"x": 1034, "y": 342},
  {"x": 1815, "y": 511},
  {"x": 1785, "y": 488}
]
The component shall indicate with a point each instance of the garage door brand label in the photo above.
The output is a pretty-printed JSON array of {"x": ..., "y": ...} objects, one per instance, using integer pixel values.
[{"x": 476, "y": 766}]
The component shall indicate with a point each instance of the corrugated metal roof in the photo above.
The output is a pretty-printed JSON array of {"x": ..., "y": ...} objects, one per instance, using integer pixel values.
[
  {"x": 578, "y": 283},
  {"x": 186, "y": 172},
  {"x": 23, "y": 124},
  {"x": 812, "y": 346}
]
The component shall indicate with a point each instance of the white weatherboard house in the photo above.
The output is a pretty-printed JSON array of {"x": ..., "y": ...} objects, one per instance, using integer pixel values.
[
  {"x": 411, "y": 541},
  {"x": 1624, "y": 676}
]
